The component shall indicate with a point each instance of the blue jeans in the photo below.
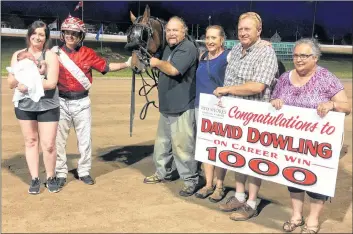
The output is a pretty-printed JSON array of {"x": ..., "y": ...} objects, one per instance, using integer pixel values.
[{"x": 174, "y": 147}]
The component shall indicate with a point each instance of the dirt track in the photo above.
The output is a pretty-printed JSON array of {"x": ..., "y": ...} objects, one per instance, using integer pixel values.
[{"x": 120, "y": 202}]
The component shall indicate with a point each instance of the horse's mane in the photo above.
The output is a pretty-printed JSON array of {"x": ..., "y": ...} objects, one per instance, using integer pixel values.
[
  {"x": 153, "y": 18},
  {"x": 162, "y": 23}
]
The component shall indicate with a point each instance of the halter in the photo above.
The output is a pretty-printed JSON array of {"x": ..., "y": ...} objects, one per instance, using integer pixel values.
[
  {"x": 138, "y": 37},
  {"x": 141, "y": 33}
]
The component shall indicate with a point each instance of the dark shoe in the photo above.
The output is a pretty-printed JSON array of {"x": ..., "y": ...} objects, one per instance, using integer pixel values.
[
  {"x": 61, "y": 181},
  {"x": 53, "y": 185},
  {"x": 217, "y": 195},
  {"x": 231, "y": 204},
  {"x": 204, "y": 192},
  {"x": 243, "y": 213},
  {"x": 34, "y": 187},
  {"x": 153, "y": 179},
  {"x": 87, "y": 179},
  {"x": 188, "y": 190}
]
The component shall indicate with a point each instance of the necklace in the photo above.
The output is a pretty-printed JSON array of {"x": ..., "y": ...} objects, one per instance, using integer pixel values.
[{"x": 210, "y": 56}]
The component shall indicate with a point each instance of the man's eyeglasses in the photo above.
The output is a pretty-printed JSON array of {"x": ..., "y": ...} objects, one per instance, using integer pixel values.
[{"x": 302, "y": 56}]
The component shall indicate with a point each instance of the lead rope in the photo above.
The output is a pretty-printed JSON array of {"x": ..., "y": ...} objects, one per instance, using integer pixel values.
[{"x": 143, "y": 91}]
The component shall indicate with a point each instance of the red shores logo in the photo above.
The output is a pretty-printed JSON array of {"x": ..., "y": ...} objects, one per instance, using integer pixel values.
[{"x": 220, "y": 104}]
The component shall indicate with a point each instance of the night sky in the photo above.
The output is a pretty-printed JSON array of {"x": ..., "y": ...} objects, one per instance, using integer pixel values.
[{"x": 334, "y": 17}]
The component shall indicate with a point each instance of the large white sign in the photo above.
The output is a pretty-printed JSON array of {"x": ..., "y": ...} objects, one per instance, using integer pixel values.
[{"x": 292, "y": 146}]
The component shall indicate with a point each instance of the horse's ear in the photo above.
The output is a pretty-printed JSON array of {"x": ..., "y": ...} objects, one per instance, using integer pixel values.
[
  {"x": 146, "y": 15},
  {"x": 132, "y": 17}
]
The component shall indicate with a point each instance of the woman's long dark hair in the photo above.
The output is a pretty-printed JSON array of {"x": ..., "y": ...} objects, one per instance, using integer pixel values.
[{"x": 32, "y": 28}]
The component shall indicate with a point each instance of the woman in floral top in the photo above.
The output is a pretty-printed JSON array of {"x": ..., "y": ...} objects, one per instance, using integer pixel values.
[{"x": 308, "y": 86}]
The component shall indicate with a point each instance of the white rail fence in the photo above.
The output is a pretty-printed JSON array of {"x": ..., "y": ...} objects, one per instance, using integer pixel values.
[{"x": 335, "y": 49}]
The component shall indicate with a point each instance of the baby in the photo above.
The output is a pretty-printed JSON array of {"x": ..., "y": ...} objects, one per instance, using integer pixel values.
[
  {"x": 41, "y": 65},
  {"x": 29, "y": 73}
]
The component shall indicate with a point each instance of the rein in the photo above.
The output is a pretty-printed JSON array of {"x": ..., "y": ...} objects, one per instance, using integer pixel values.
[{"x": 144, "y": 57}]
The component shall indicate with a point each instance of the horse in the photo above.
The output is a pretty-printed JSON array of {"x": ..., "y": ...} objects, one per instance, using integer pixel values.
[{"x": 145, "y": 38}]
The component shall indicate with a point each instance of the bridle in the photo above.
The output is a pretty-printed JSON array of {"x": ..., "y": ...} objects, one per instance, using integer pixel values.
[{"x": 138, "y": 38}]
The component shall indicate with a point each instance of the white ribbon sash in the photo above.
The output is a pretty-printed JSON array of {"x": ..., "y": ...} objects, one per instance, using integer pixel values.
[{"x": 75, "y": 71}]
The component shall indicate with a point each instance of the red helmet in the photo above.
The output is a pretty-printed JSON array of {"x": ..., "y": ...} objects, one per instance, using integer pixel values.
[{"x": 73, "y": 24}]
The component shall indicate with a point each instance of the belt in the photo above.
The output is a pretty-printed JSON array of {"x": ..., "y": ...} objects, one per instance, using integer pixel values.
[{"x": 73, "y": 95}]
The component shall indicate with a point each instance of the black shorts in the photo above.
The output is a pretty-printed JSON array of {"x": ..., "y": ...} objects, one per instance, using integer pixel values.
[
  {"x": 316, "y": 196},
  {"x": 52, "y": 115}
]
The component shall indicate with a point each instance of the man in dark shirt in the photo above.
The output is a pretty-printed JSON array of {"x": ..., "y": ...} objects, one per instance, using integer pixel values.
[{"x": 175, "y": 142}]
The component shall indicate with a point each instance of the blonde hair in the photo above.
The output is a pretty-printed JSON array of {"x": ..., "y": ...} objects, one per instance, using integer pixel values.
[{"x": 254, "y": 16}]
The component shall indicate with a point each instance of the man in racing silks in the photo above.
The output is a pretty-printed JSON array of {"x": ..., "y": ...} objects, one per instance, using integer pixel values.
[{"x": 75, "y": 79}]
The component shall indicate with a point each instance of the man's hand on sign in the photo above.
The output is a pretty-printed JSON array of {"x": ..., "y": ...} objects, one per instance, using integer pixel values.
[
  {"x": 221, "y": 91},
  {"x": 277, "y": 103}
]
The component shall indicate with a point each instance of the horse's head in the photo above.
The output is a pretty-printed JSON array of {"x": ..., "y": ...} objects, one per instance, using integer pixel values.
[{"x": 144, "y": 38}]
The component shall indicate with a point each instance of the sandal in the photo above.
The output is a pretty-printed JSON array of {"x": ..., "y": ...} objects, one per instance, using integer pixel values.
[
  {"x": 311, "y": 229},
  {"x": 291, "y": 225},
  {"x": 204, "y": 192},
  {"x": 217, "y": 195},
  {"x": 153, "y": 179}
]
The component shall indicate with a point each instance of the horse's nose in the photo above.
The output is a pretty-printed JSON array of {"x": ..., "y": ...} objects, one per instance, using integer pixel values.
[{"x": 136, "y": 70}]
